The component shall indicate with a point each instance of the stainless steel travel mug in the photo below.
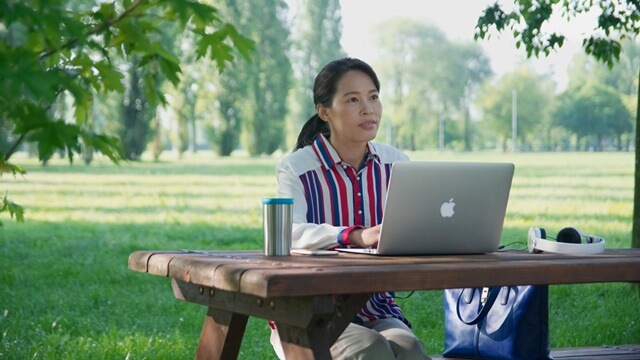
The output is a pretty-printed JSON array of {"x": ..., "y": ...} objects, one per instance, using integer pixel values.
[{"x": 277, "y": 222}]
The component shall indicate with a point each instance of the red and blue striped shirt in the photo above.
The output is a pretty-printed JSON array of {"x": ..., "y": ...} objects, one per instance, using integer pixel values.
[{"x": 332, "y": 198}]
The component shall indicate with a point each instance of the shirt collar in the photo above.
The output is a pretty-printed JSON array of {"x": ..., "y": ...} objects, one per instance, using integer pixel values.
[{"x": 329, "y": 157}]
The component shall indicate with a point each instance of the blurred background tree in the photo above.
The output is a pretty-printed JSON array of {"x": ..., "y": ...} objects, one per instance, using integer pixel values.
[
  {"x": 534, "y": 94},
  {"x": 316, "y": 33}
]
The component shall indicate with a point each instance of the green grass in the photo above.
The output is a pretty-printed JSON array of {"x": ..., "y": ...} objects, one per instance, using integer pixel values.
[{"x": 66, "y": 292}]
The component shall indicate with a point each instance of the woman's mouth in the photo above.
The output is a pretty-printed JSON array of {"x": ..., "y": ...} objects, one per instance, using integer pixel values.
[{"x": 369, "y": 124}]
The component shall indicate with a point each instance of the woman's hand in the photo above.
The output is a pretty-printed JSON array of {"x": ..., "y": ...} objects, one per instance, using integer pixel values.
[{"x": 365, "y": 237}]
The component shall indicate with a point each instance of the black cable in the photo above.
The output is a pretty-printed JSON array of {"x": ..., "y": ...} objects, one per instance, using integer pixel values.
[{"x": 502, "y": 247}]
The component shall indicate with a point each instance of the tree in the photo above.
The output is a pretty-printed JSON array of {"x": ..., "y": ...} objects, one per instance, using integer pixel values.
[
  {"x": 617, "y": 20},
  {"x": 269, "y": 76},
  {"x": 533, "y": 94},
  {"x": 622, "y": 77},
  {"x": 418, "y": 96},
  {"x": 183, "y": 99},
  {"x": 253, "y": 96},
  {"x": 463, "y": 69},
  {"x": 230, "y": 93},
  {"x": 317, "y": 29},
  {"x": 405, "y": 45},
  {"x": 595, "y": 111},
  {"x": 49, "y": 48},
  {"x": 135, "y": 115}
]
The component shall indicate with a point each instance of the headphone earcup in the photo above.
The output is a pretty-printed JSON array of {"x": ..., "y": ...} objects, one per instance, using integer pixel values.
[
  {"x": 569, "y": 235},
  {"x": 543, "y": 233}
]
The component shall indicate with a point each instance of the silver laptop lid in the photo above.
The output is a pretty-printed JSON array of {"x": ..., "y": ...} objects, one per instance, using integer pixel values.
[{"x": 445, "y": 207}]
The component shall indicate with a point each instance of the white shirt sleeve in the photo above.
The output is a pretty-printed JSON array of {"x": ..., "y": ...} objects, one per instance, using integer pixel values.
[{"x": 305, "y": 235}]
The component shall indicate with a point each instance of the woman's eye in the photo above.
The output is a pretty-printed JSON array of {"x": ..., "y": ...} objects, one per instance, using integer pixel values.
[
  {"x": 375, "y": 97},
  {"x": 353, "y": 99}
]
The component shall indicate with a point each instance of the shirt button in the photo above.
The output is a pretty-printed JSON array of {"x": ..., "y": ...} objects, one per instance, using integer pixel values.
[
  {"x": 344, "y": 166},
  {"x": 359, "y": 194},
  {"x": 359, "y": 212}
]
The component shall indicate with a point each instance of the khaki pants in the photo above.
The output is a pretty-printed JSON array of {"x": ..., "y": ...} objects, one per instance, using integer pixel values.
[{"x": 381, "y": 339}]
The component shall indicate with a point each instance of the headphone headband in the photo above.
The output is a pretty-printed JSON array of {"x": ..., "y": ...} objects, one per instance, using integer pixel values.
[{"x": 537, "y": 243}]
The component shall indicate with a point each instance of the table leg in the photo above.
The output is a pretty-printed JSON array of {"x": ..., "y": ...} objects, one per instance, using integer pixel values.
[
  {"x": 314, "y": 341},
  {"x": 221, "y": 335},
  {"x": 299, "y": 343},
  {"x": 307, "y": 325}
]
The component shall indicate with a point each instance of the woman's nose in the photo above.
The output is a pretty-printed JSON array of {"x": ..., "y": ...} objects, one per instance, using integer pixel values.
[{"x": 366, "y": 108}]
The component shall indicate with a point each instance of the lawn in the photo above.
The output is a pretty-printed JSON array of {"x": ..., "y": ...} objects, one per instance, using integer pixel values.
[{"x": 67, "y": 292}]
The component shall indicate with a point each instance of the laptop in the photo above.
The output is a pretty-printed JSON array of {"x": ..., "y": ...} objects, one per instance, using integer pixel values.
[{"x": 441, "y": 207}]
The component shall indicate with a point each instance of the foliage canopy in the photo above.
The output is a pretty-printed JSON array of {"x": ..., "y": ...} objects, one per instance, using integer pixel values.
[
  {"x": 616, "y": 20},
  {"x": 55, "y": 47}
]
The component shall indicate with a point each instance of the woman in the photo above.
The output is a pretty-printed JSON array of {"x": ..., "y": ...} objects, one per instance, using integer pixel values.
[{"x": 338, "y": 179}]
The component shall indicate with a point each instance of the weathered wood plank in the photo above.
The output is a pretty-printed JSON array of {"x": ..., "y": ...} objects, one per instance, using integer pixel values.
[
  {"x": 619, "y": 352},
  {"x": 262, "y": 276},
  {"x": 138, "y": 260},
  {"x": 297, "y": 311},
  {"x": 307, "y": 281}
]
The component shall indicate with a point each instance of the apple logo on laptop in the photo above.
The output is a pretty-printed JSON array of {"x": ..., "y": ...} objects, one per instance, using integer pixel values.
[{"x": 446, "y": 209}]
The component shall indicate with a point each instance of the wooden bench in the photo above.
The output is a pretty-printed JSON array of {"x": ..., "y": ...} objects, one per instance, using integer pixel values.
[{"x": 620, "y": 352}]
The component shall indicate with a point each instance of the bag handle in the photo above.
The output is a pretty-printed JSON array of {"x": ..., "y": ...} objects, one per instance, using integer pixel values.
[{"x": 491, "y": 299}]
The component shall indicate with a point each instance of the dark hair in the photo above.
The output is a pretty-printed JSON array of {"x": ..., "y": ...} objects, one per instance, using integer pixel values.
[{"x": 324, "y": 88}]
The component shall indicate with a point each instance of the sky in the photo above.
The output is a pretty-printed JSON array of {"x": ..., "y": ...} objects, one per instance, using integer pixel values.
[{"x": 457, "y": 19}]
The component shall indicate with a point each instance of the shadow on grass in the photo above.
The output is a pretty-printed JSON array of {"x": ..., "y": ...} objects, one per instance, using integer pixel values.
[
  {"x": 68, "y": 283},
  {"x": 218, "y": 167}
]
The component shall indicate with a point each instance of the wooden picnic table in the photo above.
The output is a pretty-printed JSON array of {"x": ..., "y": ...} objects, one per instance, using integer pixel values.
[{"x": 313, "y": 298}]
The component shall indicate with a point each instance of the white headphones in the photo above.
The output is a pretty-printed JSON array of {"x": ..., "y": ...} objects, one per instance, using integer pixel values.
[{"x": 568, "y": 241}]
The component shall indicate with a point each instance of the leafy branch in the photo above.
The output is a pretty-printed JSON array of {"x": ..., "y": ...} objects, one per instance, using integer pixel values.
[
  {"x": 49, "y": 48},
  {"x": 616, "y": 21},
  {"x": 8, "y": 205},
  {"x": 106, "y": 25}
]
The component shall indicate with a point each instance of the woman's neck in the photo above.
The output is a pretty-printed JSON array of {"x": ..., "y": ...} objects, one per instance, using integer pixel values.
[{"x": 351, "y": 153}]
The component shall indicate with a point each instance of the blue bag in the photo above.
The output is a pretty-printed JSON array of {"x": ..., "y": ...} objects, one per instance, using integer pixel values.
[{"x": 509, "y": 322}]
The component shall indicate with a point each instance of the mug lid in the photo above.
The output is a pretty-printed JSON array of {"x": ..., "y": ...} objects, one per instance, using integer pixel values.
[{"x": 277, "y": 201}]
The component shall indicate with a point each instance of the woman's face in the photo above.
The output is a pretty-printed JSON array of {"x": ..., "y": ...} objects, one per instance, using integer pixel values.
[{"x": 355, "y": 111}]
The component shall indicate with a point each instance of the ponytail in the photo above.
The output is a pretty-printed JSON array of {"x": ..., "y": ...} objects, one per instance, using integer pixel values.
[{"x": 310, "y": 131}]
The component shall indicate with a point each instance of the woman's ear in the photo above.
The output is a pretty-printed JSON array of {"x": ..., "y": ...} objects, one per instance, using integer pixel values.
[{"x": 323, "y": 112}]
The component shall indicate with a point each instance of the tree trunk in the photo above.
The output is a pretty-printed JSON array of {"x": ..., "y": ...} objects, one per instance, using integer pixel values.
[{"x": 635, "y": 233}]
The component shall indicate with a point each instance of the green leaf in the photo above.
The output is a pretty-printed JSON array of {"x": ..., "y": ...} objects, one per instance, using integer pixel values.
[
  {"x": 107, "y": 145},
  {"x": 55, "y": 135},
  {"x": 170, "y": 69},
  {"x": 200, "y": 14},
  {"x": 109, "y": 76},
  {"x": 7, "y": 167},
  {"x": 32, "y": 117},
  {"x": 83, "y": 101},
  {"x": 243, "y": 44},
  {"x": 603, "y": 49},
  {"x": 39, "y": 83},
  {"x": 13, "y": 208},
  {"x": 214, "y": 45},
  {"x": 106, "y": 12},
  {"x": 169, "y": 64}
]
